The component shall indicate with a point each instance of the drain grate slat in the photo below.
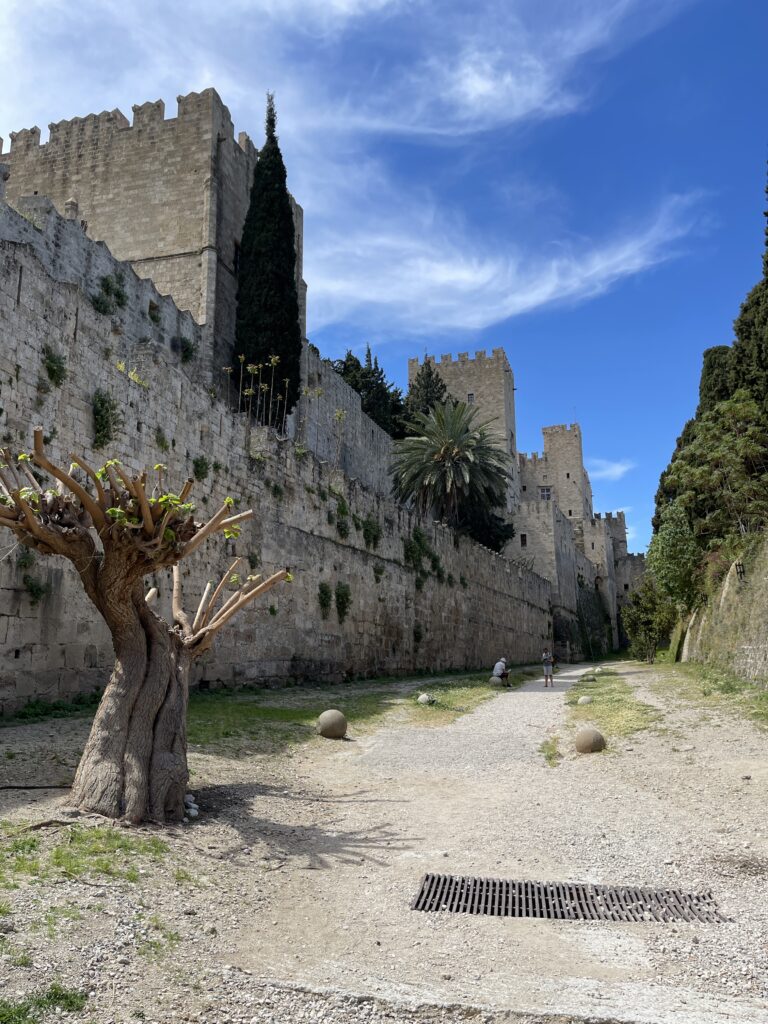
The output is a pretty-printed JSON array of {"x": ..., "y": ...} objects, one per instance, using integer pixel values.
[{"x": 569, "y": 901}]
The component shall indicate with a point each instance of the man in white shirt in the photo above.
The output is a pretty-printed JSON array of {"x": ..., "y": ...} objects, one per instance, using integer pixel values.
[{"x": 500, "y": 669}]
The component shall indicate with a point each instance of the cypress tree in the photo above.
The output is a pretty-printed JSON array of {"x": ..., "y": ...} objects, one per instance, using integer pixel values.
[
  {"x": 267, "y": 300},
  {"x": 715, "y": 381},
  {"x": 427, "y": 391}
]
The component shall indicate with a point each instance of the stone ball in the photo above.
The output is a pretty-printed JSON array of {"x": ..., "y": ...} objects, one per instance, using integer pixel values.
[
  {"x": 495, "y": 680},
  {"x": 589, "y": 741},
  {"x": 332, "y": 724},
  {"x": 426, "y": 698},
  {"x": 598, "y": 671},
  {"x": 586, "y": 699}
]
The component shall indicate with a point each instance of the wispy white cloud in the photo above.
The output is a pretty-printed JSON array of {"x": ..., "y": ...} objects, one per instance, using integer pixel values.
[
  {"x": 381, "y": 252},
  {"x": 607, "y": 469}
]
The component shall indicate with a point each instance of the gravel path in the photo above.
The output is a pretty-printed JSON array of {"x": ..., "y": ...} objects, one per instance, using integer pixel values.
[{"x": 299, "y": 873}]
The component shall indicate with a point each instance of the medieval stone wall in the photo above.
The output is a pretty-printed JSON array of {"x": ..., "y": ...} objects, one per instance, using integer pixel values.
[
  {"x": 470, "y": 605},
  {"x": 168, "y": 194}
]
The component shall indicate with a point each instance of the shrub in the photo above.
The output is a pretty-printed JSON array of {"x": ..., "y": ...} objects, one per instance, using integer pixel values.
[
  {"x": 55, "y": 366},
  {"x": 342, "y": 526},
  {"x": 200, "y": 467},
  {"x": 161, "y": 440},
  {"x": 324, "y": 597},
  {"x": 343, "y": 600},
  {"x": 371, "y": 532},
  {"x": 106, "y": 418}
]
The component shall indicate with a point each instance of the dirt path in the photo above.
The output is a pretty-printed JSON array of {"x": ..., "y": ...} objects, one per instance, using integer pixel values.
[{"x": 302, "y": 869}]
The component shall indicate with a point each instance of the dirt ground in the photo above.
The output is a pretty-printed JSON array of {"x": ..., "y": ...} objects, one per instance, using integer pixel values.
[{"x": 289, "y": 897}]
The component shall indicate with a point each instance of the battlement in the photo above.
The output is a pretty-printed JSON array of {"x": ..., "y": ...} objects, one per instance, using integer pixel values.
[
  {"x": 533, "y": 459},
  {"x": 192, "y": 109},
  {"x": 562, "y": 428},
  {"x": 498, "y": 357}
]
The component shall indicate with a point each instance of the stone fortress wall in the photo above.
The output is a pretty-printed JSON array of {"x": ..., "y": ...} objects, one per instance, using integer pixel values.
[
  {"x": 169, "y": 195},
  {"x": 582, "y": 553},
  {"x": 471, "y": 606}
]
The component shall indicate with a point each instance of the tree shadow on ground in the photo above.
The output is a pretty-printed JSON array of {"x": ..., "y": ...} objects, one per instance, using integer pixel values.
[{"x": 319, "y": 845}]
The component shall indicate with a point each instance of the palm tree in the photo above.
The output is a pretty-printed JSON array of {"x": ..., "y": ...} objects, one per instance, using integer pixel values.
[{"x": 453, "y": 468}]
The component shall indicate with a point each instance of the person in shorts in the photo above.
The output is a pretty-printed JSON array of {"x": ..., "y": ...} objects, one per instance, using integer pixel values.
[
  {"x": 500, "y": 669},
  {"x": 548, "y": 662}
]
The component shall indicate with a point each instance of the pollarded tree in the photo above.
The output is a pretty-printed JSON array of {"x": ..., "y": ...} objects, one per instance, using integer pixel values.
[
  {"x": 115, "y": 533},
  {"x": 453, "y": 468},
  {"x": 267, "y": 323}
]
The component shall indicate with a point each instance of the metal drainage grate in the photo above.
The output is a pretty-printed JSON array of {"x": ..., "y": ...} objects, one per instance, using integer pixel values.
[{"x": 562, "y": 901}]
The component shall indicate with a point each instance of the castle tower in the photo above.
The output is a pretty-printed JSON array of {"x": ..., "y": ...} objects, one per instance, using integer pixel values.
[
  {"x": 168, "y": 195},
  {"x": 488, "y": 383}
]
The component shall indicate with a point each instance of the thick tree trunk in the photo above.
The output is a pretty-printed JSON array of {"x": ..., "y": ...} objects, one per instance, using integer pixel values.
[{"x": 135, "y": 761}]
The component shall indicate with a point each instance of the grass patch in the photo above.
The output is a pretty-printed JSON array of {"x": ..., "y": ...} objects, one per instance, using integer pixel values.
[
  {"x": 713, "y": 688},
  {"x": 267, "y": 721},
  {"x": 40, "y": 710},
  {"x": 30, "y": 1009},
  {"x": 551, "y": 752},
  {"x": 159, "y": 939},
  {"x": 615, "y": 710},
  {"x": 105, "y": 851},
  {"x": 54, "y": 916},
  {"x": 17, "y": 956}
]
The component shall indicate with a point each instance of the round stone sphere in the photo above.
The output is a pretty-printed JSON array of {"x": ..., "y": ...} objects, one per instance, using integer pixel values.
[
  {"x": 426, "y": 698},
  {"x": 332, "y": 724},
  {"x": 495, "y": 680},
  {"x": 586, "y": 699},
  {"x": 589, "y": 741}
]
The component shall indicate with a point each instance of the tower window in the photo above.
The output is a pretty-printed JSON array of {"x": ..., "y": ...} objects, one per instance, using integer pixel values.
[
  {"x": 593, "y": 545},
  {"x": 567, "y": 476},
  {"x": 570, "y": 513},
  {"x": 523, "y": 540},
  {"x": 524, "y": 487},
  {"x": 626, "y": 586},
  {"x": 471, "y": 398},
  {"x": 545, "y": 493}
]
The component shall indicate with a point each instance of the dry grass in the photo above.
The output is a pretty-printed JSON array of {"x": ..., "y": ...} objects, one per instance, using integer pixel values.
[
  {"x": 615, "y": 710},
  {"x": 713, "y": 688}
]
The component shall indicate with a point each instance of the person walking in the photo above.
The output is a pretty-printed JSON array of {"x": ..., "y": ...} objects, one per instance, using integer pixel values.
[{"x": 548, "y": 662}]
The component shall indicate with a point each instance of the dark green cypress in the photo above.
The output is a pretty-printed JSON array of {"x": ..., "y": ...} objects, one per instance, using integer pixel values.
[
  {"x": 715, "y": 381},
  {"x": 267, "y": 300}
]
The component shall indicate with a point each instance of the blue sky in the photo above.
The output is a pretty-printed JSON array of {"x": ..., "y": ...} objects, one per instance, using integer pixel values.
[{"x": 579, "y": 181}]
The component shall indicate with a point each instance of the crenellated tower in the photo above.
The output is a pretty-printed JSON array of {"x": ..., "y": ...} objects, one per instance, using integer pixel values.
[
  {"x": 169, "y": 195},
  {"x": 488, "y": 383}
]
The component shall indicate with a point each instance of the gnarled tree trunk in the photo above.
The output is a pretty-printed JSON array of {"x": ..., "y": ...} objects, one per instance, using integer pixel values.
[{"x": 135, "y": 761}]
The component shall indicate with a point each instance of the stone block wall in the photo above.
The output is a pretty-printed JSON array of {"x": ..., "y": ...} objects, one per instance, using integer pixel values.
[
  {"x": 471, "y": 605},
  {"x": 168, "y": 194},
  {"x": 329, "y": 420}
]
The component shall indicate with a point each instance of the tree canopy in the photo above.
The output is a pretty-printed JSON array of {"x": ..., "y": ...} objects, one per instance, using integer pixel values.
[
  {"x": 380, "y": 400},
  {"x": 452, "y": 468},
  {"x": 267, "y": 323},
  {"x": 427, "y": 390}
]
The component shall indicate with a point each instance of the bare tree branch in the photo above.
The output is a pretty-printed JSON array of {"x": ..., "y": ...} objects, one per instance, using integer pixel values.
[
  {"x": 214, "y": 524},
  {"x": 146, "y": 515},
  {"x": 201, "y": 608},
  {"x": 245, "y": 599},
  {"x": 222, "y": 583},
  {"x": 100, "y": 495},
  {"x": 86, "y": 500},
  {"x": 179, "y": 615}
]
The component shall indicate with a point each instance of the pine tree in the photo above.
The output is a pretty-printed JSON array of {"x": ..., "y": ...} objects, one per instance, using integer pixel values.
[
  {"x": 427, "y": 390},
  {"x": 267, "y": 300},
  {"x": 379, "y": 399}
]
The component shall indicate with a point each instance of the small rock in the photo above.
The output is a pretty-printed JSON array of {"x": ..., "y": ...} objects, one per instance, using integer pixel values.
[
  {"x": 426, "y": 698},
  {"x": 192, "y": 812}
]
